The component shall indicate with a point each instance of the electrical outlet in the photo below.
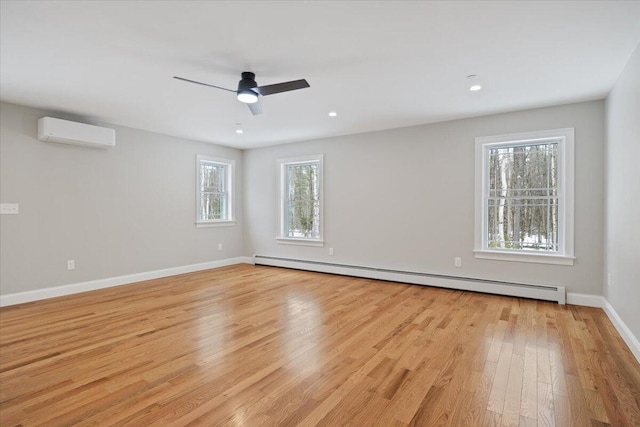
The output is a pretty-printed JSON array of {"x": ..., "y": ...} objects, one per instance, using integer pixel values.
[
  {"x": 219, "y": 246},
  {"x": 610, "y": 280},
  {"x": 331, "y": 251},
  {"x": 71, "y": 264},
  {"x": 457, "y": 261}
]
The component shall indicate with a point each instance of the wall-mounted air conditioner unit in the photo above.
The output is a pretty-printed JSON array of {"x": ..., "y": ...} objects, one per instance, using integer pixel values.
[{"x": 74, "y": 133}]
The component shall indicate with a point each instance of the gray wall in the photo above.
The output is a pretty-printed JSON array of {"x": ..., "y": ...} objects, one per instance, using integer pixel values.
[
  {"x": 126, "y": 210},
  {"x": 401, "y": 199},
  {"x": 622, "y": 262},
  {"x": 404, "y": 198}
]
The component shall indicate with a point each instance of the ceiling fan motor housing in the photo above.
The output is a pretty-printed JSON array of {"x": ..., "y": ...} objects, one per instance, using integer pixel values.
[{"x": 248, "y": 81}]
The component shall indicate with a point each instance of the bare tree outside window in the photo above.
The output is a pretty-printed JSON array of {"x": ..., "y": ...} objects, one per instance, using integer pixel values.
[
  {"x": 302, "y": 204},
  {"x": 213, "y": 191},
  {"x": 522, "y": 199}
]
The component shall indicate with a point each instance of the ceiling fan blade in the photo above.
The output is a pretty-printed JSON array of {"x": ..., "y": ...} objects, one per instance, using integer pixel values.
[
  {"x": 255, "y": 108},
  {"x": 203, "y": 84},
  {"x": 281, "y": 87}
]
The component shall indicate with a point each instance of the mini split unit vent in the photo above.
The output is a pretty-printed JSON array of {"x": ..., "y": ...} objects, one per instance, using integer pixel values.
[{"x": 67, "y": 132}]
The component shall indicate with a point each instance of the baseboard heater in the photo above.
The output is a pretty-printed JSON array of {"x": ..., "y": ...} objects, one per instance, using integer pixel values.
[{"x": 541, "y": 292}]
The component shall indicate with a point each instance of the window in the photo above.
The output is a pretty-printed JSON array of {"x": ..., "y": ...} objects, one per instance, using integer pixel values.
[
  {"x": 301, "y": 201},
  {"x": 214, "y": 192},
  {"x": 524, "y": 197}
]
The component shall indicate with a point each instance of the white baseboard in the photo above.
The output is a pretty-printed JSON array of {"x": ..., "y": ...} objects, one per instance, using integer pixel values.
[
  {"x": 623, "y": 330},
  {"x": 586, "y": 300},
  {"x": 57, "y": 291}
]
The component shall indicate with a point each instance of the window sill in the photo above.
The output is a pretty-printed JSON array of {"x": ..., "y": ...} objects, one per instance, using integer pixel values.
[
  {"x": 301, "y": 242},
  {"x": 206, "y": 224},
  {"x": 524, "y": 257}
]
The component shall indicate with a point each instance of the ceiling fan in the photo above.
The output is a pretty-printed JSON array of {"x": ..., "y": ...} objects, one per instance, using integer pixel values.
[{"x": 248, "y": 90}]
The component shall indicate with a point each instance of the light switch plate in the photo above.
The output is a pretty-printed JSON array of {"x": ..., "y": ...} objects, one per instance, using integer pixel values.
[{"x": 9, "y": 209}]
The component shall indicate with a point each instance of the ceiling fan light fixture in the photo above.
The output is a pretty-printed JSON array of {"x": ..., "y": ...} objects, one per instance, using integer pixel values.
[
  {"x": 247, "y": 96},
  {"x": 248, "y": 90}
]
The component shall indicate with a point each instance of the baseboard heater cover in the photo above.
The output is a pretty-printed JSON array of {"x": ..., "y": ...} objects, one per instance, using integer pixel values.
[{"x": 541, "y": 292}]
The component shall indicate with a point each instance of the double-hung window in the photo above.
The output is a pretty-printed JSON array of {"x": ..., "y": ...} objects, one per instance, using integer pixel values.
[
  {"x": 214, "y": 196},
  {"x": 524, "y": 197},
  {"x": 301, "y": 201}
]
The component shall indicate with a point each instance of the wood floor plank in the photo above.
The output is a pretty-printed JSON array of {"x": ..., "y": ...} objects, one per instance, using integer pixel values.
[
  {"x": 492, "y": 419},
  {"x": 529, "y": 397},
  {"x": 546, "y": 410},
  {"x": 250, "y": 345},
  {"x": 500, "y": 381},
  {"x": 580, "y": 413},
  {"x": 562, "y": 411},
  {"x": 527, "y": 422},
  {"x": 512, "y": 404},
  {"x": 414, "y": 391},
  {"x": 478, "y": 405}
]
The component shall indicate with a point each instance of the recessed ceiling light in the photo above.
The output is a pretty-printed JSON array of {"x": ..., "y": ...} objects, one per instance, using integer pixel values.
[
  {"x": 474, "y": 84},
  {"x": 239, "y": 131},
  {"x": 332, "y": 114}
]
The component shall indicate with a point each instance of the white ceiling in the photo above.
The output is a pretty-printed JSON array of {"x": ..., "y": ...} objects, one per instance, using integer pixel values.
[{"x": 380, "y": 65}]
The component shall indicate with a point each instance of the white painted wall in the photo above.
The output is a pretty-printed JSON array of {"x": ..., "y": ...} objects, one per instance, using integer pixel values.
[
  {"x": 622, "y": 242},
  {"x": 404, "y": 198},
  {"x": 127, "y": 210}
]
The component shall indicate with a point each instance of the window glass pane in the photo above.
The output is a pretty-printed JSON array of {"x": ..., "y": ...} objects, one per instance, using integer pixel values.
[
  {"x": 303, "y": 219},
  {"x": 212, "y": 206},
  {"x": 522, "y": 199},
  {"x": 212, "y": 176},
  {"x": 213, "y": 191},
  {"x": 302, "y": 204},
  {"x": 302, "y": 182}
]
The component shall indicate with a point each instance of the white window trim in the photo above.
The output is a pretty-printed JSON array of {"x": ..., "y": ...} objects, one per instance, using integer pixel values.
[
  {"x": 230, "y": 221},
  {"x": 566, "y": 169},
  {"x": 215, "y": 223},
  {"x": 282, "y": 163},
  {"x": 299, "y": 241}
]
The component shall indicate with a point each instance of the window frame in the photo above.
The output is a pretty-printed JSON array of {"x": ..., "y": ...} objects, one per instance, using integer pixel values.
[
  {"x": 566, "y": 171},
  {"x": 282, "y": 238},
  {"x": 230, "y": 191}
]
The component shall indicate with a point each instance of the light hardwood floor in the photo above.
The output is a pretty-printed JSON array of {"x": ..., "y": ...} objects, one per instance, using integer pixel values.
[{"x": 252, "y": 346}]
